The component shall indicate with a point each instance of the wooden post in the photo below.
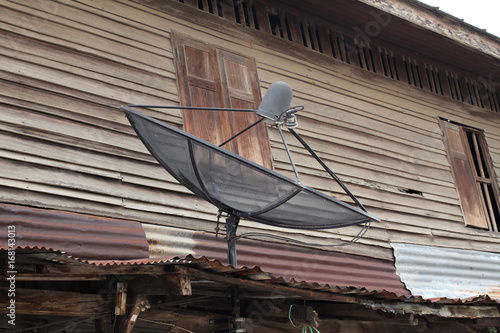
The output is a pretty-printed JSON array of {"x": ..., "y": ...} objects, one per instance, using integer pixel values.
[
  {"x": 139, "y": 303},
  {"x": 121, "y": 299}
]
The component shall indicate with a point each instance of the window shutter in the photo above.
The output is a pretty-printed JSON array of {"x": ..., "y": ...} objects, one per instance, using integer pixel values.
[
  {"x": 200, "y": 85},
  {"x": 212, "y": 77},
  {"x": 463, "y": 172},
  {"x": 241, "y": 90}
]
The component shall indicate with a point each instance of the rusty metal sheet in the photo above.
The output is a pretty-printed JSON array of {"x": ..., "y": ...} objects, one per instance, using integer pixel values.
[
  {"x": 168, "y": 241},
  {"x": 83, "y": 236},
  {"x": 289, "y": 262},
  {"x": 319, "y": 266},
  {"x": 437, "y": 272}
]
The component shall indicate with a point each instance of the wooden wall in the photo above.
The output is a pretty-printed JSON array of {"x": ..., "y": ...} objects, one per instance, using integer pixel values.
[{"x": 67, "y": 66}]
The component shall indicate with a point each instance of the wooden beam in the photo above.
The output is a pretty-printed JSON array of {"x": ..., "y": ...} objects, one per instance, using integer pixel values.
[
  {"x": 171, "y": 284},
  {"x": 175, "y": 283},
  {"x": 275, "y": 289},
  {"x": 101, "y": 270},
  {"x": 58, "y": 303},
  {"x": 139, "y": 304},
  {"x": 179, "y": 284},
  {"x": 65, "y": 277}
]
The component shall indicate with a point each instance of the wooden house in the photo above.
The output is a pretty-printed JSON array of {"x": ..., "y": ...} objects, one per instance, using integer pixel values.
[{"x": 401, "y": 101}]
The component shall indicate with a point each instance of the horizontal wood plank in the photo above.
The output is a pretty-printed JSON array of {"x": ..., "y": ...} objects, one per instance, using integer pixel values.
[{"x": 64, "y": 303}]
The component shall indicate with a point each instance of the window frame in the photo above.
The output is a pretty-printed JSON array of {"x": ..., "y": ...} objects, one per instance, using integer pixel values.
[{"x": 474, "y": 174}]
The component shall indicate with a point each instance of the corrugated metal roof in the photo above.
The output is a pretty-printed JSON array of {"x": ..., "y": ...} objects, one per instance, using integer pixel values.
[
  {"x": 82, "y": 236},
  {"x": 445, "y": 272},
  {"x": 451, "y": 273},
  {"x": 109, "y": 242},
  {"x": 284, "y": 260},
  {"x": 375, "y": 299}
]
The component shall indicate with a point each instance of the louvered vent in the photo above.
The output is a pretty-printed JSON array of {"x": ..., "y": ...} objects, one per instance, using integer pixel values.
[{"x": 419, "y": 73}]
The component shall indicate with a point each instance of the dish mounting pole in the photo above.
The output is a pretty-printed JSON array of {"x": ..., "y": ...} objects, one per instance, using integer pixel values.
[{"x": 231, "y": 225}]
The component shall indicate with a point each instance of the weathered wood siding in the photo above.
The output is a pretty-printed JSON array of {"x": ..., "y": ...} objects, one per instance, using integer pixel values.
[{"x": 67, "y": 66}]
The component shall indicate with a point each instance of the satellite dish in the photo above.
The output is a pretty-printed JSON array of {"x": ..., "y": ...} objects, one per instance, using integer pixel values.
[
  {"x": 238, "y": 186},
  {"x": 244, "y": 189}
]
